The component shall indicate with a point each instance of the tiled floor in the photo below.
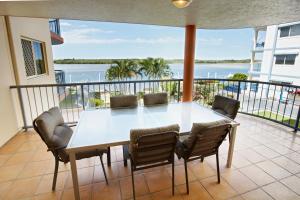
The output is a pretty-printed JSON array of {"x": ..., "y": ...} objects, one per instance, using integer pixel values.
[{"x": 266, "y": 165}]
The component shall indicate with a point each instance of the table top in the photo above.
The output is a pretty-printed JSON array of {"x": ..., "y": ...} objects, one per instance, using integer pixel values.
[{"x": 111, "y": 127}]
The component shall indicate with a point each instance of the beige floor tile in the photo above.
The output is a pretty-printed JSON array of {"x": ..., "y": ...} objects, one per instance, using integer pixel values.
[
  {"x": 23, "y": 188},
  {"x": 49, "y": 196},
  {"x": 252, "y": 155},
  {"x": 257, "y": 175},
  {"x": 279, "y": 148},
  {"x": 287, "y": 164},
  {"x": 158, "y": 180},
  {"x": 112, "y": 172},
  {"x": 85, "y": 177},
  {"x": 197, "y": 192},
  {"x": 42, "y": 154},
  {"x": 180, "y": 174},
  {"x": 273, "y": 169},
  {"x": 32, "y": 169},
  {"x": 10, "y": 172},
  {"x": 294, "y": 156},
  {"x": 84, "y": 191},
  {"x": 107, "y": 192},
  {"x": 239, "y": 181},
  {"x": 201, "y": 170},
  {"x": 216, "y": 190},
  {"x": 239, "y": 161},
  {"x": 141, "y": 187},
  {"x": 278, "y": 191},
  {"x": 19, "y": 158},
  {"x": 4, "y": 188},
  {"x": 257, "y": 194},
  {"x": 265, "y": 151},
  {"x": 45, "y": 185},
  {"x": 4, "y": 158},
  {"x": 292, "y": 182},
  {"x": 166, "y": 195}
]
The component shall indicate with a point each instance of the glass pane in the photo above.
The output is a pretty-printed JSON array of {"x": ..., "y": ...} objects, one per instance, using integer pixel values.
[
  {"x": 290, "y": 59},
  {"x": 39, "y": 58},
  {"x": 295, "y": 30},
  {"x": 284, "y": 31},
  {"x": 280, "y": 59}
]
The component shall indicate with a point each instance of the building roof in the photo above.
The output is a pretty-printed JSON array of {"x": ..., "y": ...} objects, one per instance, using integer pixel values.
[{"x": 210, "y": 14}]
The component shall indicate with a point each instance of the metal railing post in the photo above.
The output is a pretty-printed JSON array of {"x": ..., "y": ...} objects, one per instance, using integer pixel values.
[
  {"x": 134, "y": 87},
  {"x": 239, "y": 90},
  {"x": 297, "y": 120},
  {"x": 82, "y": 97},
  {"x": 178, "y": 91},
  {"x": 22, "y": 109}
]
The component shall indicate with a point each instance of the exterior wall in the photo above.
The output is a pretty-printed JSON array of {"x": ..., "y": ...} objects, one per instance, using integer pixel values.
[
  {"x": 32, "y": 28},
  {"x": 36, "y": 100},
  {"x": 8, "y": 118},
  {"x": 275, "y": 45}
]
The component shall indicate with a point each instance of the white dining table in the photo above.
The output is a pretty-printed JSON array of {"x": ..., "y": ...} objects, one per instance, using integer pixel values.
[{"x": 111, "y": 127}]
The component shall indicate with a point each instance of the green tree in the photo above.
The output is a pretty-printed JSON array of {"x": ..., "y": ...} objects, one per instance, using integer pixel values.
[
  {"x": 239, "y": 76},
  {"x": 122, "y": 70},
  {"x": 155, "y": 68}
]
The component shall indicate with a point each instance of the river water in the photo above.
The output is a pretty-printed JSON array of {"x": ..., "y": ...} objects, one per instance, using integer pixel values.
[{"x": 96, "y": 72}]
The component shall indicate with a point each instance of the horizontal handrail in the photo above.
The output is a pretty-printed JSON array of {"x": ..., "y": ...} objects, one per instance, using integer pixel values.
[{"x": 273, "y": 101}]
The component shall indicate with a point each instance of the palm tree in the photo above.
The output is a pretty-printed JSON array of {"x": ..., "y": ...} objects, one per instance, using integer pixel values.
[
  {"x": 122, "y": 69},
  {"x": 155, "y": 68}
]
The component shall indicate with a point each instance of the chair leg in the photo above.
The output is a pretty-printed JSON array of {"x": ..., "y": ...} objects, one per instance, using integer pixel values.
[
  {"x": 173, "y": 177},
  {"x": 55, "y": 173},
  {"x": 186, "y": 177},
  {"x": 218, "y": 168},
  {"x": 104, "y": 172},
  {"x": 132, "y": 179},
  {"x": 125, "y": 154},
  {"x": 108, "y": 157},
  {"x": 202, "y": 159}
]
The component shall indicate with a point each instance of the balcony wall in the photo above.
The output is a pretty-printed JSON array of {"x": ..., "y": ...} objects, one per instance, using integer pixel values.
[{"x": 8, "y": 119}]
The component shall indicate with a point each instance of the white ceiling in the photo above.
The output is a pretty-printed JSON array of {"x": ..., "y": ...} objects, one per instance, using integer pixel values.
[{"x": 210, "y": 14}]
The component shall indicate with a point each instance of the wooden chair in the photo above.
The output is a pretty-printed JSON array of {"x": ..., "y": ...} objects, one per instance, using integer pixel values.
[
  {"x": 204, "y": 140},
  {"x": 151, "y": 148}
]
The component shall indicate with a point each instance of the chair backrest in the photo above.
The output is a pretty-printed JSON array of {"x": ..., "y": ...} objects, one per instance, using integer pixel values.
[
  {"x": 151, "y": 146},
  {"x": 156, "y": 98},
  {"x": 123, "y": 101},
  {"x": 206, "y": 138},
  {"x": 51, "y": 128},
  {"x": 226, "y": 106}
]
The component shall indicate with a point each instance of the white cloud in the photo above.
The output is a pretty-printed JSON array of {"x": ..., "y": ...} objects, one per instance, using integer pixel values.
[
  {"x": 87, "y": 36},
  {"x": 65, "y": 24}
]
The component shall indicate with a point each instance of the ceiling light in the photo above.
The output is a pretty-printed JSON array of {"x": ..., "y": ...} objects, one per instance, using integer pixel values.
[{"x": 181, "y": 3}]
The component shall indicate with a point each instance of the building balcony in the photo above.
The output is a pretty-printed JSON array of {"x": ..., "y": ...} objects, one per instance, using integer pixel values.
[
  {"x": 266, "y": 161},
  {"x": 54, "y": 27},
  {"x": 266, "y": 164}
]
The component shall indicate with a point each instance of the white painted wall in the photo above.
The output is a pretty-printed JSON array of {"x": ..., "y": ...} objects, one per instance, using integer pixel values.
[{"x": 8, "y": 119}]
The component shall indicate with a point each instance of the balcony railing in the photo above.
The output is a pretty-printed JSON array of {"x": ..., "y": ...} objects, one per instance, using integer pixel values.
[
  {"x": 54, "y": 26},
  {"x": 272, "y": 101}
]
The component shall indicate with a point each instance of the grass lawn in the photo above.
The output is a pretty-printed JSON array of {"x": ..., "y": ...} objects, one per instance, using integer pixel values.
[
  {"x": 69, "y": 102},
  {"x": 280, "y": 118}
]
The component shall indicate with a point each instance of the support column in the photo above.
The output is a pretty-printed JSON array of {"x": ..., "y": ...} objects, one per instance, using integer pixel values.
[{"x": 189, "y": 60}]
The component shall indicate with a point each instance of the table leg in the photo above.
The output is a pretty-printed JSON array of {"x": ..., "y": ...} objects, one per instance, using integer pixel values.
[
  {"x": 231, "y": 146},
  {"x": 74, "y": 175}
]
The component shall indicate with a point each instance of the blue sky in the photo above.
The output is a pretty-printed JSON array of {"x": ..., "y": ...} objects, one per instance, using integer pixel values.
[{"x": 87, "y": 39}]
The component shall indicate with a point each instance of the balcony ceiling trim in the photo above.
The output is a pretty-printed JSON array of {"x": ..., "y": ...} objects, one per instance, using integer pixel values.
[{"x": 208, "y": 14}]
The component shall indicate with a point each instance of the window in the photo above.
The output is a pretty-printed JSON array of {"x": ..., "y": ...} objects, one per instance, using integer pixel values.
[
  {"x": 285, "y": 59},
  {"x": 34, "y": 57},
  {"x": 292, "y": 30},
  {"x": 295, "y": 30}
]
